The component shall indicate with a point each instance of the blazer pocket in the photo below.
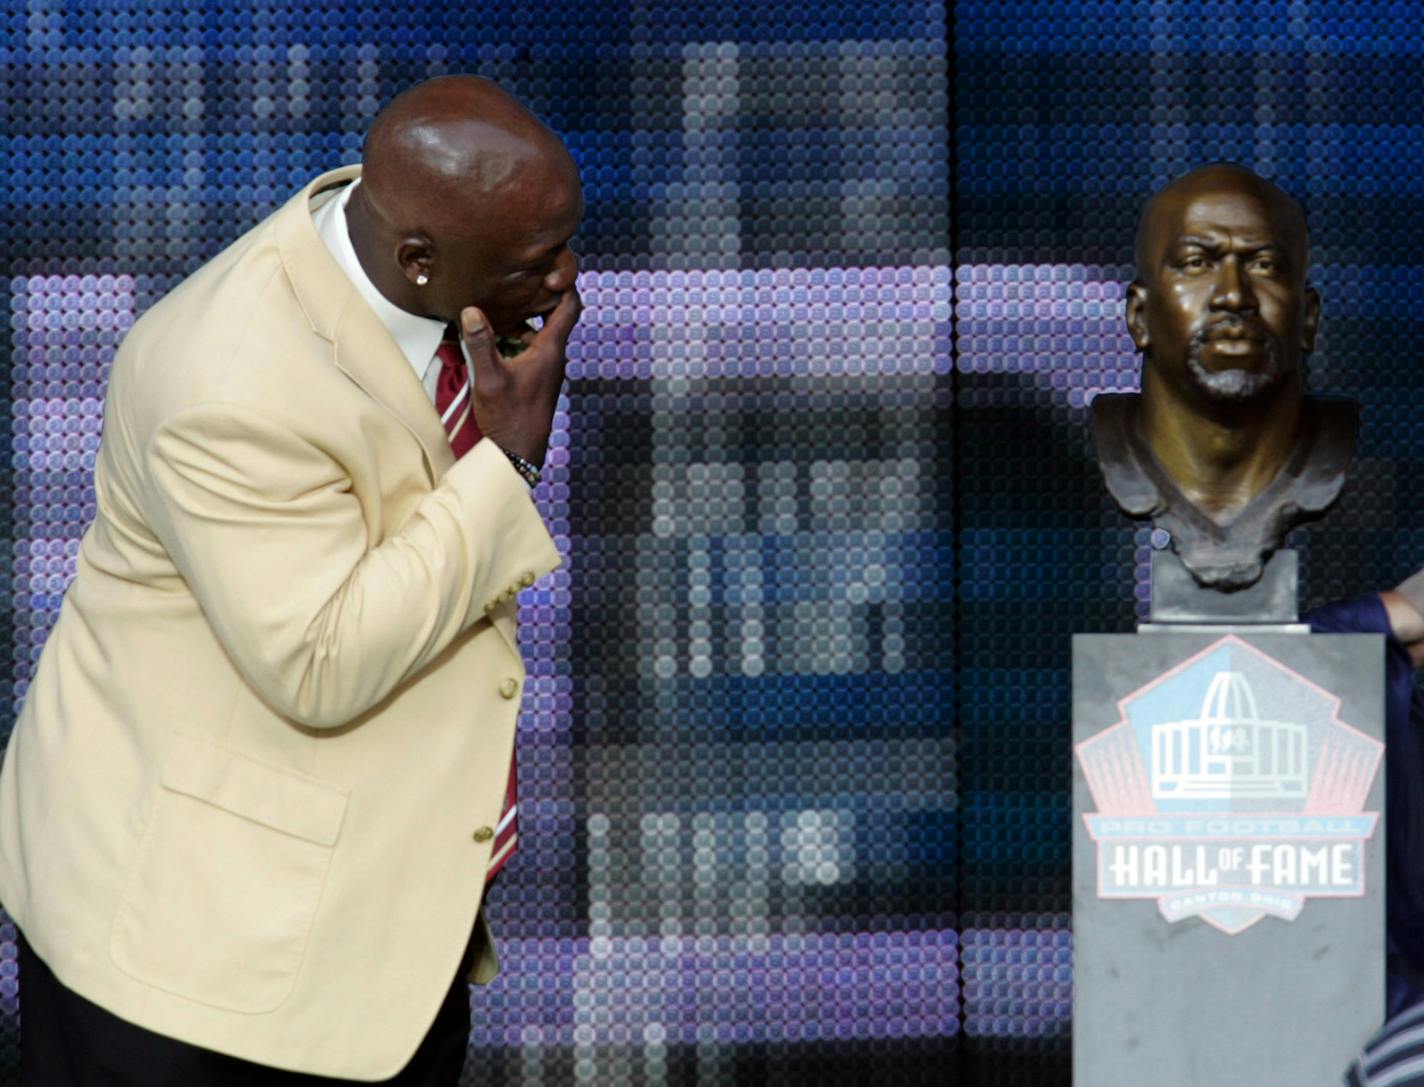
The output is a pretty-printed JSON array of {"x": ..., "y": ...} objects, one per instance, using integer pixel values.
[{"x": 222, "y": 893}]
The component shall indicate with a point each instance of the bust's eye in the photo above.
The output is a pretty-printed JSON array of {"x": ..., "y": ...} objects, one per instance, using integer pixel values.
[
  {"x": 1193, "y": 262},
  {"x": 1266, "y": 265}
]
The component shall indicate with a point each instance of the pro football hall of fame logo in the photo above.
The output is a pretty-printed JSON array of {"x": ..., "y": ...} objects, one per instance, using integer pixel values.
[{"x": 1230, "y": 789}]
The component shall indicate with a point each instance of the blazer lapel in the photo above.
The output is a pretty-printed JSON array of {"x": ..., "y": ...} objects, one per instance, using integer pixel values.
[
  {"x": 367, "y": 355},
  {"x": 363, "y": 349}
]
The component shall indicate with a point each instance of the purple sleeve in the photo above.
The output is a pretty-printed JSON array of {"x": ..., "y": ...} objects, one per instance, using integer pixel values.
[{"x": 1363, "y": 615}]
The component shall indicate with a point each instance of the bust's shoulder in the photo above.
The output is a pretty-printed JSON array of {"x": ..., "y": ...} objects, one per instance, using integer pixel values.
[
  {"x": 1124, "y": 473},
  {"x": 1109, "y": 417},
  {"x": 1334, "y": 424}
]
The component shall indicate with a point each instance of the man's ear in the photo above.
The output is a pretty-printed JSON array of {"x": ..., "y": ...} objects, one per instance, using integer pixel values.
[
  {"x": 1137, "y": 315},
  {"x": 416, "y": 257},
  {"x": 1311, "y": 321}
]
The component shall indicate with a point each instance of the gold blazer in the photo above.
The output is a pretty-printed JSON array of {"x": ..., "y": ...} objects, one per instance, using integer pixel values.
[{"x": 246, "y": 803}]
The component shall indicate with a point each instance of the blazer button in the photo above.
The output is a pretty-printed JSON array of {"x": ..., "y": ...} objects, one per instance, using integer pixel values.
[
  {"x": 483, "y": 834},
  {"x": 508, "y": 688}
]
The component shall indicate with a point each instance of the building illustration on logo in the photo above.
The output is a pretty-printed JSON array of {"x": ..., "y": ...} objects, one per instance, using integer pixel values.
[
  {"x": 1230, "y": 789},
  {"x": 1228, "y": 751}
]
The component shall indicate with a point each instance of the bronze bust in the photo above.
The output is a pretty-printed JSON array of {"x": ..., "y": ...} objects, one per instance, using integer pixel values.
[{"x": 1222, "y": 448}]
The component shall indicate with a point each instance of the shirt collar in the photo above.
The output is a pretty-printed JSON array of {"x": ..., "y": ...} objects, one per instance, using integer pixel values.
[{"x": 417, "y": 337}]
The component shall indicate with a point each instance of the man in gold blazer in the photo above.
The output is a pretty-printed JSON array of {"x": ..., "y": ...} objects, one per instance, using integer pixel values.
[{"x": 249, "y": 808}]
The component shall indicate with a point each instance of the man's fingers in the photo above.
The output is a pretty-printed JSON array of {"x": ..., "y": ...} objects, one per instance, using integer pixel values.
[
  {"x": 560, "y": 323},
  {"x": 476, "y": 331}
]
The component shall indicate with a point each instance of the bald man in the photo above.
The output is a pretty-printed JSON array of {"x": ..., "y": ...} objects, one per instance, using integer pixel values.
[
  {"x": 1222, "y": 448},
  {"x": 264, "y": 773}
]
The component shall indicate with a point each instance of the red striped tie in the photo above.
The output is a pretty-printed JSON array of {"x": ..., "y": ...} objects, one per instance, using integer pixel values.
[
  {"x": 452, "y": 396},
  {"x": 452, "y": 401}
]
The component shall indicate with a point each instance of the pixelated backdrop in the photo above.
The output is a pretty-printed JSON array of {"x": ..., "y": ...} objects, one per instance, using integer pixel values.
[{"x": 794, "y": 758}]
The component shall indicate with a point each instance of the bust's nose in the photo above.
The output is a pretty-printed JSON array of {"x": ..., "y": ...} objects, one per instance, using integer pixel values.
[{"x": 1232, "y": 289}]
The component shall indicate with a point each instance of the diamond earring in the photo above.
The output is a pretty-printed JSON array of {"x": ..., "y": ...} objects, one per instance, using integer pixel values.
[{"x": 422, "y": 279}]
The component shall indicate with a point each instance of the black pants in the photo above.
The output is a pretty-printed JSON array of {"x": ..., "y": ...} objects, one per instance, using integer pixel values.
[{"x": 65, "y": 1041}]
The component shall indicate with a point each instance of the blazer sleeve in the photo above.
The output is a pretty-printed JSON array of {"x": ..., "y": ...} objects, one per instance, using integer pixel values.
[{"x": 323, "y": 621}]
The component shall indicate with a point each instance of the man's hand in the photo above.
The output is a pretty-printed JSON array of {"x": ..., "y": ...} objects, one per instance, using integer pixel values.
[{"x": 514, "y": 399}]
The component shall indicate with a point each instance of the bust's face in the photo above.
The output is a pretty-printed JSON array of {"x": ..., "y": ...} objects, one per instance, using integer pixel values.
[{"x": 1220, "y": 307}]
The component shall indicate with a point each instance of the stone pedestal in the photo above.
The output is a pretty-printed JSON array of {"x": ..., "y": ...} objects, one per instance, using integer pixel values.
[{"x": 1228, "y": 845}]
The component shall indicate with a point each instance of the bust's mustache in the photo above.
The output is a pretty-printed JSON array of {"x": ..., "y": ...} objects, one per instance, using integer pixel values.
[{"x": 1230, "y": 327}]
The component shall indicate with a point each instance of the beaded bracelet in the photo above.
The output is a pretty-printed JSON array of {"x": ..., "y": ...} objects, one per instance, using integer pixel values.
[{"x": 528, "y": 471}]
